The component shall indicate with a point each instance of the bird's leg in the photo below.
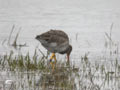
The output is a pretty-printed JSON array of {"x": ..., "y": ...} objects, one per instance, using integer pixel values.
[
  {"x": 68, "y": 61},
  {"x": 55, "y": 59},
  {"x": 53, "y": 56}
]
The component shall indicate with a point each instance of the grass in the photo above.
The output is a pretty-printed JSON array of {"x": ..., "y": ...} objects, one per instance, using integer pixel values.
[
  {"x": 65, "y": 77},
  {"x": 21, "y": 62},
  {"x": 60, "y": 78},
  {"x": 14, "y": 43}
]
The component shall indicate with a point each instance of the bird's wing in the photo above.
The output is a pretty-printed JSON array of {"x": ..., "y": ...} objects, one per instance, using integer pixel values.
[{"x": 55, "y": 36}]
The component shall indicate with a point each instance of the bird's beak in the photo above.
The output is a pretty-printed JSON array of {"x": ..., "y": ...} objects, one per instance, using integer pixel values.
[{"x": 68, "y": 57}]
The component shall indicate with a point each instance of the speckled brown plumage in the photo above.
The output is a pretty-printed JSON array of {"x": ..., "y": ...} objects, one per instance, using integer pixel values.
[
  {"x": 55, "y": 36},
  {"x": 55, "y": 41}
]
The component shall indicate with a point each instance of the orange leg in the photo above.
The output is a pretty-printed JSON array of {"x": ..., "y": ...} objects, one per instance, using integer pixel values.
[{"x": 53, "y": 57}]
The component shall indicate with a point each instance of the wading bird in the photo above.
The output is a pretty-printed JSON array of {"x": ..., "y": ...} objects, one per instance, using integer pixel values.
[{"x": 55, "y": 41}]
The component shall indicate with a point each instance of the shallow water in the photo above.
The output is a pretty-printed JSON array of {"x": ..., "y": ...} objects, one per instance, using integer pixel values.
[{"x": 86, "y": 22}]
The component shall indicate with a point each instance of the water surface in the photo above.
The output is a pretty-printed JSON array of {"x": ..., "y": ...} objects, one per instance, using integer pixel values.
[{"x": 86, "y": 22}]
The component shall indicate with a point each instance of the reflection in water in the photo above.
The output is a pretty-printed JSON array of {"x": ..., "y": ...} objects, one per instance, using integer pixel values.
[{"x": 60, "y": 79}]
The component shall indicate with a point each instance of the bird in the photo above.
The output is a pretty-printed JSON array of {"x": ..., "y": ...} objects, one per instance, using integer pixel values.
[{"x": 55, "y": 41}]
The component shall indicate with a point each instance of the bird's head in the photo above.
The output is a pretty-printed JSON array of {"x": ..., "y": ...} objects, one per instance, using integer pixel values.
[
  {"x": 69, "y": 52},
  {"x": 37, "y": 37}
]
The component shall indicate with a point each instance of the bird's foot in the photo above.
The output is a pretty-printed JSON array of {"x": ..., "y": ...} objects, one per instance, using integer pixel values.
[
  {"x": 68, "y": 63},
  {"x": 52, "y": 65}
]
